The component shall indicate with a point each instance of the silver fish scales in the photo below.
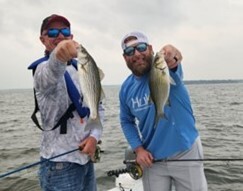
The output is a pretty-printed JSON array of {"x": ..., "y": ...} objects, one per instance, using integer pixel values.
[
  {"x": 159, "y": 85},
  {"x": 90, "y": 81}
]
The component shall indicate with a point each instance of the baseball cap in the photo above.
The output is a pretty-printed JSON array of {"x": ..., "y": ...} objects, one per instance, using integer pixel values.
[
  {"x": 138, "y": 38},
  {"x": 53, "y": 18}
]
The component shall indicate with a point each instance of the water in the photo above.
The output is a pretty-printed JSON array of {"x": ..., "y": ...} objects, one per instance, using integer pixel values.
[{"x": 218, "y": 110}]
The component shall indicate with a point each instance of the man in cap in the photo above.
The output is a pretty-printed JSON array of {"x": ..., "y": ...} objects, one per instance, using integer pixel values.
[
  {"x": 55, "y": 80},
  {"x": 175, "y": 136}
]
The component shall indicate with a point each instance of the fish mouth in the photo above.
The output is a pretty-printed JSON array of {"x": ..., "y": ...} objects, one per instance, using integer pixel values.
[
  {"x": 161, "y": 68},
  {"x": 82, "y": 58},
  {"x": 85, "y": 62}
]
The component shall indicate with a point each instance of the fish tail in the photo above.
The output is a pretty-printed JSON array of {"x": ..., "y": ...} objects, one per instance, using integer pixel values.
[
  {"x": 157, "y": 118},
  {"x": 96, "y": 123},
  {"x": 155, "y": 124}
]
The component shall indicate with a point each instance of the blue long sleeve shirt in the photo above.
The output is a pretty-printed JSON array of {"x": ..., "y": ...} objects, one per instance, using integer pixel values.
[{"x": 173, "y": 135}]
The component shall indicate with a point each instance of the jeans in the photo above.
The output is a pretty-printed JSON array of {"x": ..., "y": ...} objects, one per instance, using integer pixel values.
[{"x": 66, "y": 176}]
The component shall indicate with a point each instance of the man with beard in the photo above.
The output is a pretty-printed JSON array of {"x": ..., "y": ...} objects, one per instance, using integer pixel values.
[{"x": 175, "y": 137}]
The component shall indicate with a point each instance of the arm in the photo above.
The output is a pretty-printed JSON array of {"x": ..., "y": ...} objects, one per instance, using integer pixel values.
[
  {"x": 143, "y": 157},
  {"x": 129, "y": 127},
  {"x": 172, "y": 56},
  {"x": 128, "y": 124},
  {"x": 88, "y": 145},
  {"x": 173, "y": 59},
  {"x": 48, "y": 74}
]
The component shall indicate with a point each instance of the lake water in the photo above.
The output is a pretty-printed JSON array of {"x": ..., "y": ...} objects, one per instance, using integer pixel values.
[{"x": 218, "y": 109}]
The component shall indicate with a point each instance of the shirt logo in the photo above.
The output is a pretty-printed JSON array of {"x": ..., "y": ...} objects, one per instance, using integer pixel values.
[{"x": 139, "y": 104}]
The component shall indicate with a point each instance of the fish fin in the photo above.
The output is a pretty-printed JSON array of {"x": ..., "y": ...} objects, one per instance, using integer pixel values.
[
  {"x": 155, "y": 124},
  {"x": 165, "y": 117},
  {"x": 168, "y": 102},
  {"x": 94, "y": 123},
  {"x": 156, "y": 120},
  {"x": 101, "y": 73},
  {"x": 102, "y": 94},
  {"x": 158, "y": 117},
  {"x": 172, "y": 81},
  {"x": 150, "y": 100}
]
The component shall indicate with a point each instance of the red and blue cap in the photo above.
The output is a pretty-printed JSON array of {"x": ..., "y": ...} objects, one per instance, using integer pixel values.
[{"x": 53, "y": 18}]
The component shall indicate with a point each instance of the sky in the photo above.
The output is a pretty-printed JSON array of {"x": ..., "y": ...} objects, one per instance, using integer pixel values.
[{"x": 209, "y": 33}]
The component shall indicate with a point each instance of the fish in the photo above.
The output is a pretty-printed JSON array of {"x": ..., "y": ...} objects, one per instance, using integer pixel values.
[
  {"x": 159, "y": 86},
  {"x": 90, "y": 76}
]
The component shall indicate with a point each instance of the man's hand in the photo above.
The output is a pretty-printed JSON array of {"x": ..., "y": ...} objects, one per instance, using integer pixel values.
[
  {"x": 66, "y": 50},
  {"x": 144, "y": 158},
  {"x": 172, "y": 55},
  {"x": 88, "y": 146}
]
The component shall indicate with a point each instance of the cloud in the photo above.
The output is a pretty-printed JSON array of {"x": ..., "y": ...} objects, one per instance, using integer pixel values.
[{"x": 208, "y": 33}]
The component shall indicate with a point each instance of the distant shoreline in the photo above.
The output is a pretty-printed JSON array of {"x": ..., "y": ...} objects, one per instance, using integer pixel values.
[
  {"x": 199, "y": 82},
  {"x": 212, "y": 81},
  {"x": 188, "y": 82}
]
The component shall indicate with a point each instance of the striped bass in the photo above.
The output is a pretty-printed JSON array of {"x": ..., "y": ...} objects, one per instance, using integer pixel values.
[
  {"x": 159, "y": 85},
  {"x": 90, "y": 77}
]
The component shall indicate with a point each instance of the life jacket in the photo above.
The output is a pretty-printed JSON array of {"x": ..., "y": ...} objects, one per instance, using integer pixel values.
[{"x": 73, "y": 95}]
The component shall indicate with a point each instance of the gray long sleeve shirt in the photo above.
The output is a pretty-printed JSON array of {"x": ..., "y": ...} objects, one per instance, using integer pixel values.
[{"x": 53, "y": 101}]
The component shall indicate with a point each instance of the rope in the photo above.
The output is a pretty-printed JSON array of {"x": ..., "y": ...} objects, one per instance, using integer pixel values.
[{"x": 34, "y": 164}]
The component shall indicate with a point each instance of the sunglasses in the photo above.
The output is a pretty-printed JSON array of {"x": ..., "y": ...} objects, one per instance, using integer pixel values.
[
  {"x": 53, "y": 33},
  {"x": 141, "y": 47}
]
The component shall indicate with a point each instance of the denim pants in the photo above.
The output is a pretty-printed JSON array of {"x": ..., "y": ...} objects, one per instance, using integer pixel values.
[{"x": 66, "y": 176}]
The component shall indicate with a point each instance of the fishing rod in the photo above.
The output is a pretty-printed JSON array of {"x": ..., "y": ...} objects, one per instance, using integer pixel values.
[
  {"x": 35, "y": 163},
  {"x": 95, "y": 159},
  {"x": 187, "y": 160},
  {"x": 136, "y": 172}
]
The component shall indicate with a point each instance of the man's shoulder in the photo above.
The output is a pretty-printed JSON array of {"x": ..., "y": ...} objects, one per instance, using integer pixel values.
[
  {"x": 34, "y": 64},
  {"x": 127, "y": 84},
  {"x": 127, "y": 81}
]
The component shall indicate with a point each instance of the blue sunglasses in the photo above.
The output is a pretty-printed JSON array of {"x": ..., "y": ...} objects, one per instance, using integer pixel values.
[
  {"x": 140, "y": 47},
  {"x": 53, "y": 33}
]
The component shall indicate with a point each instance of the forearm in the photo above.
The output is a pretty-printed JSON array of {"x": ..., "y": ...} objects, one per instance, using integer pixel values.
[
  {"x": 132, "y": 135},
  {"x": 48, "y": 74},
  {"x": 177, "y": 74}
]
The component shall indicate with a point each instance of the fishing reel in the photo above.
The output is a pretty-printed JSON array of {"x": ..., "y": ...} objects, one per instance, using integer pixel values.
[
  {"x": 135, "y": 171},
  {"x": 132, "y": 168},
  {"x": 97, "y": 154}
]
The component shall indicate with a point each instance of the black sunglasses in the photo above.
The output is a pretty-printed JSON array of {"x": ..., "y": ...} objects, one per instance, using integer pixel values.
[
  {"x": 53, "y": 33},
  {"x": 140, "y": 47}
]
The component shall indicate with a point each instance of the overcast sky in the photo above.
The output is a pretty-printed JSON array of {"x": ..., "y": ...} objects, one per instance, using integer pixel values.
[{"x": 209, "y": 33}]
